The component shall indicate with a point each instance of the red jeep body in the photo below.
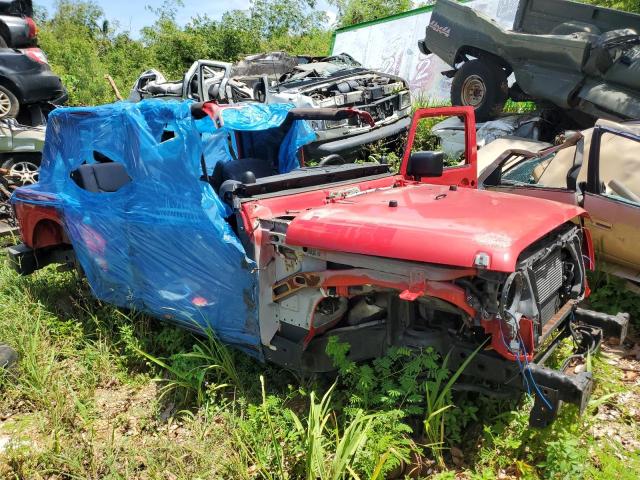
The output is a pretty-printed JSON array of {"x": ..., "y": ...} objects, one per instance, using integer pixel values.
[{"x": 420, "y": 258}]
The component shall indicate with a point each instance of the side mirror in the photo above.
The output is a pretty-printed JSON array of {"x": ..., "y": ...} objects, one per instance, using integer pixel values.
[{"x": 426, "y": 164}]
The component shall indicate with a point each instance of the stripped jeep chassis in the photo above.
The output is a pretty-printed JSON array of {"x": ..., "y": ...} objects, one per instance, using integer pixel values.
[{"x": 488, "y": 373}]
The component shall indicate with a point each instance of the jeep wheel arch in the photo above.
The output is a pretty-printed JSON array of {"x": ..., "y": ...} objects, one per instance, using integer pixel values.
[{"x": 48, "y": 233}]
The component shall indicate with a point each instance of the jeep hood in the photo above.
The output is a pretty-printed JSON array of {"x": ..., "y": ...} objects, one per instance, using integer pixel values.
[{"x": 431, "y": 224}]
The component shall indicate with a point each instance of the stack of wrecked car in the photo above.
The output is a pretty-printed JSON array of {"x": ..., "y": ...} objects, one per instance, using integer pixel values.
[{"x": 278, "y": 258}]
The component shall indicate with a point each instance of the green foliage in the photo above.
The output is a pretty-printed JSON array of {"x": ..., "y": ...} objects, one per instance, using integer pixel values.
[
  {"x": 207, "y": 369},
  {"x": 351, "y": 12},
  {"x": 83, "y": 46},
  {"x": 279, "y": 444},
  {"x": 565, "y": 459},
  {"x": 407, "y": 385},
  {"x": 612, "y": 295},
  {"x": 627, "y": 5}
]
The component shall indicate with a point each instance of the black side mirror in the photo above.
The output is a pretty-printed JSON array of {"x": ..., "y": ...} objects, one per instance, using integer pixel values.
[{"x": 426, "y": 164}]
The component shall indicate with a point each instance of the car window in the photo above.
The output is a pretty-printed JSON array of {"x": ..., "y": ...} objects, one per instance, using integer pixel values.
[
  {"x": 450, "y": 141},
  {"x": 530, "y": 172},
  {"x": 619, "y": 168}
]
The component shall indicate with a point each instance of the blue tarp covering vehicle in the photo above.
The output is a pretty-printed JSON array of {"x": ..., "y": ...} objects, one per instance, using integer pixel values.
[{"x": 148, "y": 233}]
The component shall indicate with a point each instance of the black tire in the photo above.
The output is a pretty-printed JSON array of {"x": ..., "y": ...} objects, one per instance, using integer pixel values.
[
  {"x": 9, "y": 104},
  {"x": 481, "y": 84},
  {"x": 3, "y": 42}
]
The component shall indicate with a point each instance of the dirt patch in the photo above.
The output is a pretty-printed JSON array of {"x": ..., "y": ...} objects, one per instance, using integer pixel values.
[
  {"x": 617, "y": 417},
  {"x": 124, "y": 410}
]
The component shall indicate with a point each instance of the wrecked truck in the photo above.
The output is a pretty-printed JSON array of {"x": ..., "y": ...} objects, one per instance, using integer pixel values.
[
  {"x": 278, "y": 260},
  {"x": 583, "y": 59}
]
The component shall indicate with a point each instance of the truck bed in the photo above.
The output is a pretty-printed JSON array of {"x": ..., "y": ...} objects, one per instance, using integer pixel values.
[{"x": 541, "y": 17}]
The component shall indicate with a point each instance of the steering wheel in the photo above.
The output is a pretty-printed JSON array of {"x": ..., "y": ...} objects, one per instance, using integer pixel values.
[{"x": 333, "y": 159}]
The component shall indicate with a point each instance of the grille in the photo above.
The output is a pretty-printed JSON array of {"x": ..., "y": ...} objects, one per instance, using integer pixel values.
[
  {"x": 548, "y": 276},
  {"x": 549, "y": 308}
]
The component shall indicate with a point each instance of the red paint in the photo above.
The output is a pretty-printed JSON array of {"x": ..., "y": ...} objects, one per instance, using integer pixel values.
[
  {"x": 430, "y": 224},
  {"x": 443, "y": 290},
  {"x": 465, "y": 175},
  {"x": 499, "y": 340},
  {"x": 40, "y": 226},
  {"x": 588, "y": 250}
]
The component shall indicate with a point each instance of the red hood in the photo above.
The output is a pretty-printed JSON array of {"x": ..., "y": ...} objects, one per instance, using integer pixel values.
[{"x": 431, "y": 224}]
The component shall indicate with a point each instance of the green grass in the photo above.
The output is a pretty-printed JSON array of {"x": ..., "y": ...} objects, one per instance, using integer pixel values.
[{"x": 103, "y": 393}]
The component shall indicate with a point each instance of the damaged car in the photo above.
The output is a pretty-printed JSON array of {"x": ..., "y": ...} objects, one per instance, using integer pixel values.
[
  {"x": 278, "y": 258},
  {"x": 597, "y": 169},
  {"x": 307, "y": 82},
  {"x": 341, "y": 82},
  {"x": 223, "y": 82},
  {"x": 583, "y": 59}
]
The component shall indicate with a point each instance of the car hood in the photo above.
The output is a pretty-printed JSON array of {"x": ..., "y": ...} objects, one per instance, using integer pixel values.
[{"x": 431, "y": 224}]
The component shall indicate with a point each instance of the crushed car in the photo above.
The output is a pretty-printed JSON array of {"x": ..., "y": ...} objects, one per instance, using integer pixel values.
[
  {"x": 597, "y": 169},
  {"x": 583, "y": 59},
  {"x": 224, "y": 82},
  {"x": 341, "y": 82},
  {"x": 277, "y": 258},
  {"x": 308, "y": 82}
]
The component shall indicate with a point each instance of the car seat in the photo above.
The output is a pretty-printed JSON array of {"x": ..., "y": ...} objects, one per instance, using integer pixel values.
[
  {"x": 101, "y": 177},
  {"x": 240, "y": 169}
]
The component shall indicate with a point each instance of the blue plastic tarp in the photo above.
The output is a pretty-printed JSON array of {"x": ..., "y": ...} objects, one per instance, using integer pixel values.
[
  {"x": 160, "y": 243},
  {"x": 263, "y": 121}
]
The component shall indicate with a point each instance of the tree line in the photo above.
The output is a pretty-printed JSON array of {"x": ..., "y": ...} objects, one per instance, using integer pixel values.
[{"x": 83, "y": 45}]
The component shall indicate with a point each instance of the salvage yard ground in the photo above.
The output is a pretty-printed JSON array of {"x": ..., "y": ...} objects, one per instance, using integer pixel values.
[{"x": 85, "y": 403}]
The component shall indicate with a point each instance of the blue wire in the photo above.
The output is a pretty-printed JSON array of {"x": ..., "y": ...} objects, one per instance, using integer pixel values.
[
  {"x": 533, "y": 380},
  {"x": 524, "y": 374}
]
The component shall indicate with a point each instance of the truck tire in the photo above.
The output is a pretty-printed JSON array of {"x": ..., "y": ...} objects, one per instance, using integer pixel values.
[
  {"x": 3, "y": 42},
  {"x": 9, "y": 104},
  {"x": 481, "y": 84}
]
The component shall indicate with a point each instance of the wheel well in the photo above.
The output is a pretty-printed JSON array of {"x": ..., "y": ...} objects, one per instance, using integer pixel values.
[
  {"x": 5, "y": 82},
  {"x": 469, "y": 51},
  {"x": 48, "y": 233}
]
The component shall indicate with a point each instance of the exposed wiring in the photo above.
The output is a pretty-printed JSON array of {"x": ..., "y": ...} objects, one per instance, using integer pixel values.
[
  {"x": 591, "y": 266},
  {"x": 520, "y": 366},
  {"x": 526, "y": 363},
  {"x": 533, "y": 380}
]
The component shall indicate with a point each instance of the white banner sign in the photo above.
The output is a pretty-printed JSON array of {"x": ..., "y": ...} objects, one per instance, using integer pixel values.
[{"x": 391, "y": 46}]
